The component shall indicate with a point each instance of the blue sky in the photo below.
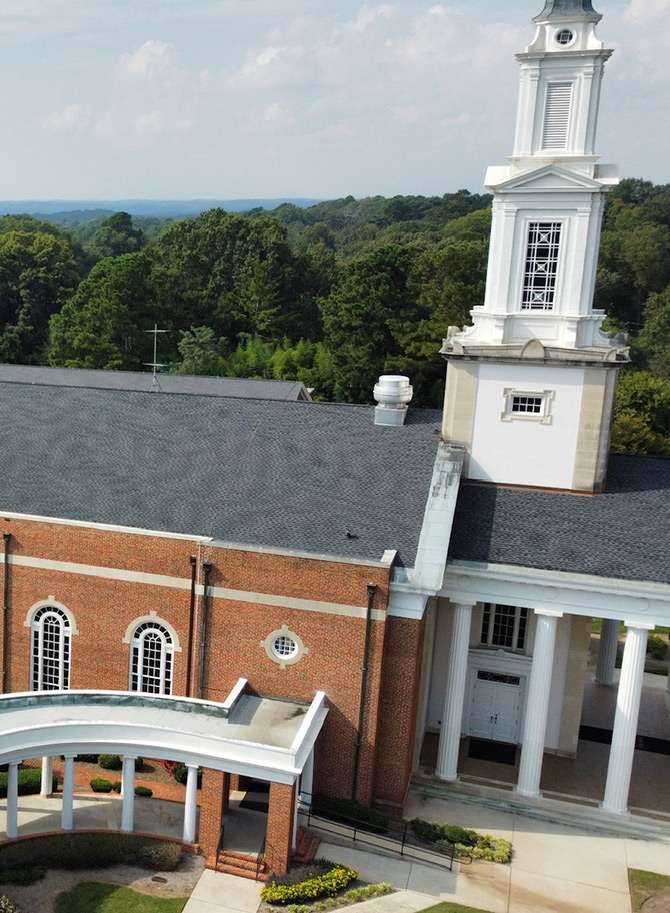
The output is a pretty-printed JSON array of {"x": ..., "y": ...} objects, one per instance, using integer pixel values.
[{"x": 239, "y": 98}]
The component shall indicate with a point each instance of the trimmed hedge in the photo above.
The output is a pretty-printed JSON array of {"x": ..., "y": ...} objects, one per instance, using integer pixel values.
[
  {"x": 346, "y": 810},
  {"x": 327, "y": 885},
  {"x": 466, "y": 842},
  {"x": 22, "y": 875},
  {"x": 30, "y": 780},
  {"x": 144, "y": 792},
  {"x": 100, "y": 785},
  {"x": 110, "y": 762},
  {"x": 90, "y": 851},
  {"x": 355, "y": 895}
]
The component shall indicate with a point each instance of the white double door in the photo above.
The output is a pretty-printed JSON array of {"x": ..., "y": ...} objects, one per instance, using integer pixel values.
[{"x": 495, "y": 706}]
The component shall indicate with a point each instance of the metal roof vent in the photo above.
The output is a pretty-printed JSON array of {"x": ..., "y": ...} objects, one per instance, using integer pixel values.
[{"x": 393, "y": 394}]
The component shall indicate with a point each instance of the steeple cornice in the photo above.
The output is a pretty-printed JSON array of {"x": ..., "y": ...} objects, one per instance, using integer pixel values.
[{"x": 581, "y": 10}]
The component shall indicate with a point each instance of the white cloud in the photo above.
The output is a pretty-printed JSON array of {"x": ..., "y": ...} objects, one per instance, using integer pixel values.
[
  {"x": 646, "y": 11},
  {"x": 367, "y": 15},
  {"x": 71, "y": 118},
  {"x": 152, "y": 58}
]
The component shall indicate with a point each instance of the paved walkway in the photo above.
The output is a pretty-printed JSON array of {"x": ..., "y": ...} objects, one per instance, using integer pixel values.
[{"x": 217, "y": 892}]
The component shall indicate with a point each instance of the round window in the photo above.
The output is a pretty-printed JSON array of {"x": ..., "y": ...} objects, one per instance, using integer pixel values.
[
  {"x": 565, "y": 37},
  {"x": 284, "y": 647}
]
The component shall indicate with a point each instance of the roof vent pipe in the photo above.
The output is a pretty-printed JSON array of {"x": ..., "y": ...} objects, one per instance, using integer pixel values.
[{"x": 393, "y": 394}]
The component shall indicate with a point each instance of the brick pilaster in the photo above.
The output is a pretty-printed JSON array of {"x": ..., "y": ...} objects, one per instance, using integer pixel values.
[
  {"x": 213, "y": 799},
  {"x": 279, "y": 835}
]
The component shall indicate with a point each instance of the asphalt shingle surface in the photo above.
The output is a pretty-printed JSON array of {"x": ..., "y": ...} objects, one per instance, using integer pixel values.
[
  {"x": 623, "y": 533},
  {"x": 285, "y": 474},
  {"x": 142, "y": 381}
]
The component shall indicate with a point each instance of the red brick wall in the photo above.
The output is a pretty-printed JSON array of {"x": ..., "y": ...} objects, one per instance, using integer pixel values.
[
  {"x": 213, "y": 799},
  {"x": 104, "y": 608},
  {"x": 403, "y": 650},
  {"x": 279, "y": 834}
]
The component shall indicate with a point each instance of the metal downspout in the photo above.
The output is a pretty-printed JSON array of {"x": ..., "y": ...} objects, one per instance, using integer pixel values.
[{"x": 372, "y": 589}]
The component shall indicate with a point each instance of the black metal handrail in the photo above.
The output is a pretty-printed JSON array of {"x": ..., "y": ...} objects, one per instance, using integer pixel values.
[
  {"x": 399, "y": 835},
  {"x": 260, "y": 859}
]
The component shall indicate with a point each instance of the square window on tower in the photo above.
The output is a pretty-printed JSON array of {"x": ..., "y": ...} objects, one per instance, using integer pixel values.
[{"x": 541, "y": 266}]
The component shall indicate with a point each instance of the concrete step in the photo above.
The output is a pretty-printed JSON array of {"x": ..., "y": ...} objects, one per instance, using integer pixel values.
[
  {"x": 242, "y": 872},
  {"x": 585, "y": 816}
]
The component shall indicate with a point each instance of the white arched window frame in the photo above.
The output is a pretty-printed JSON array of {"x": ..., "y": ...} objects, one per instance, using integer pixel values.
[
  {"x": 51, "y": 648},
  {"x": 151, "y": 658}
]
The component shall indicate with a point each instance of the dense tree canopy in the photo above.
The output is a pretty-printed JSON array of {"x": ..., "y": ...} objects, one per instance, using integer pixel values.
[{"x": 333, "y": 294}]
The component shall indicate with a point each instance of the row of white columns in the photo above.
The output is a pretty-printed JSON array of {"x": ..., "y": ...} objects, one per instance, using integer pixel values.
[
  {"x": 127, "y": 792},
  {"x": 537, "y": 702}
]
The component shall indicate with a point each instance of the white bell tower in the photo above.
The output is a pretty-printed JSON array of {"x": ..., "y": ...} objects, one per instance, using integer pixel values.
[{"x": 530, "y": 384}]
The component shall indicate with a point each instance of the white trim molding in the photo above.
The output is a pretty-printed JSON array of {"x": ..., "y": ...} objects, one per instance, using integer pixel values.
[
  {"x": 50, "y": 602},
  {"x": 290, "y": 659},
  {"x": 152, "y": 618}
]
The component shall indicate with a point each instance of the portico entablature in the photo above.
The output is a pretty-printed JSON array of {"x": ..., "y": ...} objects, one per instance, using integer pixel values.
[
  {"x": 631, "y": 601},
  {"x": 259, "y": 737}
]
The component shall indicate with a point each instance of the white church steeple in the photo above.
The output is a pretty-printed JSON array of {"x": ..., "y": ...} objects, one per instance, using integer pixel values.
[{"x": 538, "y": 316}]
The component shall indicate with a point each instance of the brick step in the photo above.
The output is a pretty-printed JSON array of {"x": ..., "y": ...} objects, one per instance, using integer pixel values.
[
  {"x": 242, "y": 865},
  {"x": 242, "y": 872},
  {"x": 307, "y": 846}
]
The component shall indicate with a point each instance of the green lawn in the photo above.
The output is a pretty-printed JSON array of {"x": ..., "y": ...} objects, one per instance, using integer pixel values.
[
  {"x": 645, "y": 885},
  {"x": 447, "y": 907},
  {"x": 93, "y": 897}
]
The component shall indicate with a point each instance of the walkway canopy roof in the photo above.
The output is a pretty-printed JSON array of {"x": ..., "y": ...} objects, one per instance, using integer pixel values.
[{"x": 254, "y": 736}]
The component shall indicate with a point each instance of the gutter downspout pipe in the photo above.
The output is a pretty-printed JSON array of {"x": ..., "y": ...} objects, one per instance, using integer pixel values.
[
  {"x": 191, "y": 614},
  {"x": 5, "y": 615},
  {"x": 207, "y": 568},
  {"x": 372, "y": 589}
]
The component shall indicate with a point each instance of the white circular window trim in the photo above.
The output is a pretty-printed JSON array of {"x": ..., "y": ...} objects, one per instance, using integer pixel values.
[
  {"x": 565, "y": 37},
  {"x": 284, "y": 647}
]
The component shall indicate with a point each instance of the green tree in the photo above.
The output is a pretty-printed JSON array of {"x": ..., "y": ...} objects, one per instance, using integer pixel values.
[
  {"x": 201, "y": 352},
  {"x": 103, "y": 323},
  {"x": 116, "y": 236},
  {"x": 38, "y": 272},
  {"x": 652, "y": 347},
  {"x": 642, "y": 414}
]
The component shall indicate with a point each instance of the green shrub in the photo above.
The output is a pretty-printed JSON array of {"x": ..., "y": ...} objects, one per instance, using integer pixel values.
[
  {"x": 100, "y": 785},
  {"x": 326, "y": 885},
  {"x": 426, "y": 830},
  {"x": 657, "y": 647},
  {"x": 346, "y": 810},
  {"x": 27, "y": 874},
  {"x": 95, "y": 851},
  {"x": 144, "y": 792},
  {"x": 88, "y": 758},
  {"x": 30, "y": 780},
  {"x": 466, "y": 842},
  {"x": 116, "y": 786},
  {"x": 180, "y": 773},
  {"x": 355, "y": 895},
  {"x": 8, "y": 906},
  {"x": 110, "y": 762}
]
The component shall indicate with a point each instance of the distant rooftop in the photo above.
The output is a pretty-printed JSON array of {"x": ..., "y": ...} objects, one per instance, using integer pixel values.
[{"x": 288, "y": 390}]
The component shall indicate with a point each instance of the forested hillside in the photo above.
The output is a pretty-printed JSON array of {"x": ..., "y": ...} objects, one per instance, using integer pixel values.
[{"x": 333, "y": 294}]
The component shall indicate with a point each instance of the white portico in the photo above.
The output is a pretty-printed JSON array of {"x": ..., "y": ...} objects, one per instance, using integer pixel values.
[{"x": 248, "y": 735}]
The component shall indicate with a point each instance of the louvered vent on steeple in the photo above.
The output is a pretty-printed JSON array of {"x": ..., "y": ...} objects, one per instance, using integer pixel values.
[{"x": 557, "y": 115}]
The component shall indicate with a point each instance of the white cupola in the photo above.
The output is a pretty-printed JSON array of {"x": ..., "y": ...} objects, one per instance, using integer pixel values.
[{"x": 536, "y": 341}]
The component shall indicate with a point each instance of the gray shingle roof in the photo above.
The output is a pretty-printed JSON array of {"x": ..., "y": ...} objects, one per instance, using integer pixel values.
[
  {"x": 623, "y": 533},
  {"x": 289, "y": 475},
  {"x": 577, "y": 9},
  {"x": 142, "y": 381}
]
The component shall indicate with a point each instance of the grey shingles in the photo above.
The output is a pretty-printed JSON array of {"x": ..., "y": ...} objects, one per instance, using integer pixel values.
[
  {"x": 285, "y": 474},
  {"x": 142, "y": 381},
  {"x": 623, "y": 533}
]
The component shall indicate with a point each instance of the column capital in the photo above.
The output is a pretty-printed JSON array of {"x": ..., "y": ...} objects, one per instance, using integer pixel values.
[
  {"x": 193, "y": 767},
  {"x": 641, "y": 625},
  {"x": 69, "y": 756},
  {"x": 463, "y": 603},
  {"x": 549, "y": 612},
  {"x": 129, "y": 757}
]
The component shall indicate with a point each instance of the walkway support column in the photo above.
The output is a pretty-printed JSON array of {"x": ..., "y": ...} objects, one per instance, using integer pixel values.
[
  {"x": 12, "y": 826},
  {"x": 622, "y": 752},
  {"x": 452, "y": 713},
  {"x": 307, "y": 780},
  {"x": 190, "y": 805},
  {"x": 609, "y": 640},
  {"x": 47, "y": 781},
  {"x": 128, "y": 785},
  {"x": 67, "y": 816},
  {"x": 537, "y": 703},
  {"x": 279, "y": 835}
]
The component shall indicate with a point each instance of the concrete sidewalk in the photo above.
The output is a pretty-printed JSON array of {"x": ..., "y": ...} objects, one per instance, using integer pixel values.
[{"x": 217, "y": 892}]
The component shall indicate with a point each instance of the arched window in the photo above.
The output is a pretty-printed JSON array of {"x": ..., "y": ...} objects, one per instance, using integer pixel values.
[
  {"x": 152, "y": 650},
  {"x": 51, "y": 635}
]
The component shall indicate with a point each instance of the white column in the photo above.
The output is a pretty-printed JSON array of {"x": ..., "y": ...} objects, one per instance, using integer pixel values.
[
  {"x": 12, "y": 826},
  {"x": 128, "y": 787},
  {"x": 609, "y": 640},
  {"x": 190, "y": 805},
  {"x": 67, "y": 816},
  {"x": 537, "y": 703},
  {"x": 46, "y": 784},
  {"x": 452, "y": 714},
  {"x": 307, "y": 780},
  {"x": 620, "y": 765}
]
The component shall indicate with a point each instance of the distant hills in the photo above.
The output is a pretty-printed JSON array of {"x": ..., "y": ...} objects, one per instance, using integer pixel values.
[{"x": 91, "y": 210}]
